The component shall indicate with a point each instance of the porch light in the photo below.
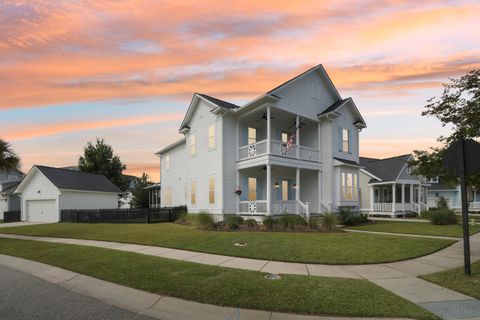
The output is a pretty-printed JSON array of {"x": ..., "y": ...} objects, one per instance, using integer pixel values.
[
  {"x": 277, "y": 185},
  {"x": 295, "y": 186}
]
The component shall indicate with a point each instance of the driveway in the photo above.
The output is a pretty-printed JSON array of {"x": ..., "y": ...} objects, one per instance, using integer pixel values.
[{"x": 27, "y": 297}]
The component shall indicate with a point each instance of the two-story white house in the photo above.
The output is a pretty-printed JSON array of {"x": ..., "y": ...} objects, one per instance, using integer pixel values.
[{"x": 294, "y": 149}]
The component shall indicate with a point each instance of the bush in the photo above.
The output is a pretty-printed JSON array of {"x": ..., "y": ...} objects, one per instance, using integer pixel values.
[
  {"x": 269, "y": 223},
  {"x": 329, "y": 221},
  {"x": 411, "y": 215},
  {"x": 251, "y": 223},
  {"x": 187, "y": 219},
  {"x": 290, "y": 221},
  {"x": 426, "y": 214},
  {"x": 313, "y": 224},
  {"x": 352, "y": 219},
  {"x": 233, "y": 222},
  {"x": 442, "y": 203},
  {"x": 443, "y": 217},
  {"x": 205, "y": 221}
]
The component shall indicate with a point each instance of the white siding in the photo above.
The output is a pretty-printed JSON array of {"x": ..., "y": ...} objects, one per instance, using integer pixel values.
[
  {"x": 364, "y": 191},
  {"x": 230, "y": 147},
  {"x": 308, "y": 96},
  {"x": 38, "y": 188},
  {"x": 327, "y": 192},
  {"x": 88, "y": 200},
  {"x": 207, "y": 162},
  {"x": 174, "y": 178},
  {"x": 345, "y": 120}
]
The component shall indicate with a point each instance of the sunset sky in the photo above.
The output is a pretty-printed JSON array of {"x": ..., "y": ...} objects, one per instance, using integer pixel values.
[{"x": 125, "y": 70}]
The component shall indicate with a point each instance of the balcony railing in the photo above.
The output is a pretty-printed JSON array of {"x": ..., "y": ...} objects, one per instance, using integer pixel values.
[
  {"x": 253, "y": 207},
  {"x": 474, "y": 206},
  {"x": 277, "y": 207},
  {"x": 278, "y": 148}
]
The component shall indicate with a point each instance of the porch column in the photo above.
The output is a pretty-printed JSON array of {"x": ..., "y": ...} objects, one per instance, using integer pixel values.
[
  {"x": 372, "y": 198},
  {"x": 403, "y": 197},
  {"x": 297, "y": 135},
  {"x": 269, "y": 130},
  {"x": 319, "y": 191},
  {"x": 297, "y": 191},
  {"x": 411, "y": 194},
  {"x": 149, "y": 198},
  {"x": 394, "y": 196},
  {"x": 269, "y": 188},
  {"x": 419, "y": 198}
]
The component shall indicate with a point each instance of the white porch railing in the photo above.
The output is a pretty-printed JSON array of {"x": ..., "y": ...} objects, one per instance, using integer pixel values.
[
  {"x": 382, "y": 207},
  {"x": 474, "y": 206},
  {"x": 284, "y": 207},
  {"x": 253, "y": 207},
  {"x": 280, "y": 149},
  {"x": 408, "y": 207}
]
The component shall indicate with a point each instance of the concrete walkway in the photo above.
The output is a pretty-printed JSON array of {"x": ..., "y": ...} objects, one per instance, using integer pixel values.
[
  {"x": 141, "y": 302},
  {"x": 398, "y": 219},
  {"x": 450, "y": 257}
]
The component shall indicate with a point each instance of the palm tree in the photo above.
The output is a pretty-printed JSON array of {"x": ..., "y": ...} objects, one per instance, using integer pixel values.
[{"x": 9, "y": 160}]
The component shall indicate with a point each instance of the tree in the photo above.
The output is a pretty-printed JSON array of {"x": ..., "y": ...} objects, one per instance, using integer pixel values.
[
  {"x": 9, "y": 160},
  {"x": 99, "y": 158},
  {"x": 139, "y": 194},
  {"x": 458, "y": 107}
]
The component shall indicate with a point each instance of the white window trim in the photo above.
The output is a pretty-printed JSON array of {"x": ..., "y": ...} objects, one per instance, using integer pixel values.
[
  {"x": 344, "y": 186},
  {"x": 347, "y": 141}
]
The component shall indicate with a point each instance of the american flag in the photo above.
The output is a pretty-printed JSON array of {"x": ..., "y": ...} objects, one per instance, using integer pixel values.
[{"x": 290, "y": 141}]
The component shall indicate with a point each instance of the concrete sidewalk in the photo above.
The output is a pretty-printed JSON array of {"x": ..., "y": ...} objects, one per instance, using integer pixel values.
[
  {"x": 141, "y": 302},
  {"x": 447, "y": 258}
]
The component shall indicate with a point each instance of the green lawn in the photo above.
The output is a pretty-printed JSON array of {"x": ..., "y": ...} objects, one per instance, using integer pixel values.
[
  {"x": 328, "y": 248},
  {"x": 421, "y": 228},
  {"x": 456, "y": 280},
  {"x": 221, "y": 286}
]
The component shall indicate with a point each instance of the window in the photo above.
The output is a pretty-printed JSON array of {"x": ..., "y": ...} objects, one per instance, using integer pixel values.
[
  {"x": 252, "y": 189},
  {"x": 211, "y": 190},
  {"x": 211, "y": 136},
  {"x": 409, "y": 170},
  {"x": 345, "y": 140},
  {"x": 349, "y": 186},
  {"x": 252, "y": 135},
  {"x": 168, "y": 196},
  {"x": 193, "y": 192},
  {"x": 193, "y": 145},
  {"x": 167, "y": 162},
  {"x": 284, "y": 190},
  {"x": 284, "y": 137},
  {"x": 433, "y": 180}
]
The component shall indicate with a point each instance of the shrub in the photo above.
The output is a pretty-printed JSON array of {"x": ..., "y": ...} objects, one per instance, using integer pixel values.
[
  {"x": 290, "y": 221},
  {"x": 187, "y": 219},
  {"x": 353, "y": 219},
  {"x": 205, "y": 221},
  {"x": 269, "y": 222},
  {"x": 411, "y": 215},
  {"x": 442, "y": 203},
  {"x": 426, "y": 214},
  {"x": 443, "y": 217},
  {"x": 313, "y": 224},
  {"x": 329, "y": 221},
  {"x": 233, "y": 222},
  {"x": 251, "y": 223}
]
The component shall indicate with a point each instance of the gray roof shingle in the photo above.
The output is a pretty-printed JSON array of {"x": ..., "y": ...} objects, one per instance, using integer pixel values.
[
  {"x": 75, "y": 180},
  {"x": 218, "y": 102},
  {"x": 334, "y": 106},
  {"x": 386, "y": 169}
]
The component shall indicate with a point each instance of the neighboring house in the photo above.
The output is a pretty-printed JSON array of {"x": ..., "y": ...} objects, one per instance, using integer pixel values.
[
  {"x": 8, "y": 200},
  {"x": 293, "y": 150},
  {"x": 452, "y": 194},
  {"x": 154, "y": 193},
  {"x": 45, "y": 191},
  {"x": 388, "y": 187}
]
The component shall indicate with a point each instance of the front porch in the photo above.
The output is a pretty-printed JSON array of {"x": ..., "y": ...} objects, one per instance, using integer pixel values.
[
  {"x": 276, "y": 190},
  {"x": 397, "y": 199}
]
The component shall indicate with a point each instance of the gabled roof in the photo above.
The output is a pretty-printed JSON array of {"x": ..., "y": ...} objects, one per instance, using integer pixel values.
[
  {"x": 171, "y": 146},
  {"x": 218, "y": 102},
  {"x": 339, "y": 104},
  {"x": 10, "y": 189},
  {"x": 386, "y": 169},
  {"x": 65, "y": 179}
]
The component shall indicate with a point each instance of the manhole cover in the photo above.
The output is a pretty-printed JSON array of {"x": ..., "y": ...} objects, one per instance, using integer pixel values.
[
  {"x": 240, "y": 244},
  {"x": 272, "y": 276}
]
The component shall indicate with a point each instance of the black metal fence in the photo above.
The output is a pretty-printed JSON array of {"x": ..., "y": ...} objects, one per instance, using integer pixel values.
[
  {"x": 11, "y": 216},
  {"x": 143, "y": 215}
]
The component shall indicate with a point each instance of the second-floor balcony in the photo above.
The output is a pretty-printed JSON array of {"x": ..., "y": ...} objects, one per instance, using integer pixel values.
[{"x": 279, "y": 148}]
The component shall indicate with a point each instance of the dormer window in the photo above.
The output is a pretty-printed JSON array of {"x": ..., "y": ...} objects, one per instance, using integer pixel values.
[
  {"x": 433, "y": 180},
  {"x": 344, "y": 139}
]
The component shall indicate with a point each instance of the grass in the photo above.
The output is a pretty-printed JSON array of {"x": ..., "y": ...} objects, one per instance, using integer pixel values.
[
  {"x": 327, "y": 248},
  {"x": 221, "y": 286},
  {"x": 1, "y": 221},
  {"x": 456, "y": 280},
  {"x": 420, "y": 228}
]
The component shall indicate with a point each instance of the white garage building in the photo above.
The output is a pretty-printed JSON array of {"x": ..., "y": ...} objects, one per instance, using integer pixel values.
[{"x": 46, "y": 191}]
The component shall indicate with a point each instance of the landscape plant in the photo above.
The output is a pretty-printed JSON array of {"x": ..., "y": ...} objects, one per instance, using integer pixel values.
[
  {"x": 441, "y": 203},
  {"x": 233, "y": 222},
  {"x": 443, "y": 216},
  {"x": 269, "y": 223},
  {"x": 205, "y": 221},
  {"x": 329, "y": 221}
]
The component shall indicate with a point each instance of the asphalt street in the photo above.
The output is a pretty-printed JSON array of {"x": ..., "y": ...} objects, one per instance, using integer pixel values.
[{"x": 23, "y": 296}]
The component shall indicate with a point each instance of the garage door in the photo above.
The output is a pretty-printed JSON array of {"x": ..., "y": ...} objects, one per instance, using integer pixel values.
[{"x": 42, "y": 210}]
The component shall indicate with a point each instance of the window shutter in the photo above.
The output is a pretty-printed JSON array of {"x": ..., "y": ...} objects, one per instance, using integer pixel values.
[
  {"x": 340, "y": 139},
  {"x": 350, "y": 141},
  {"x": 244, "y": 136},
  {"x": 291, "y": 195}
]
